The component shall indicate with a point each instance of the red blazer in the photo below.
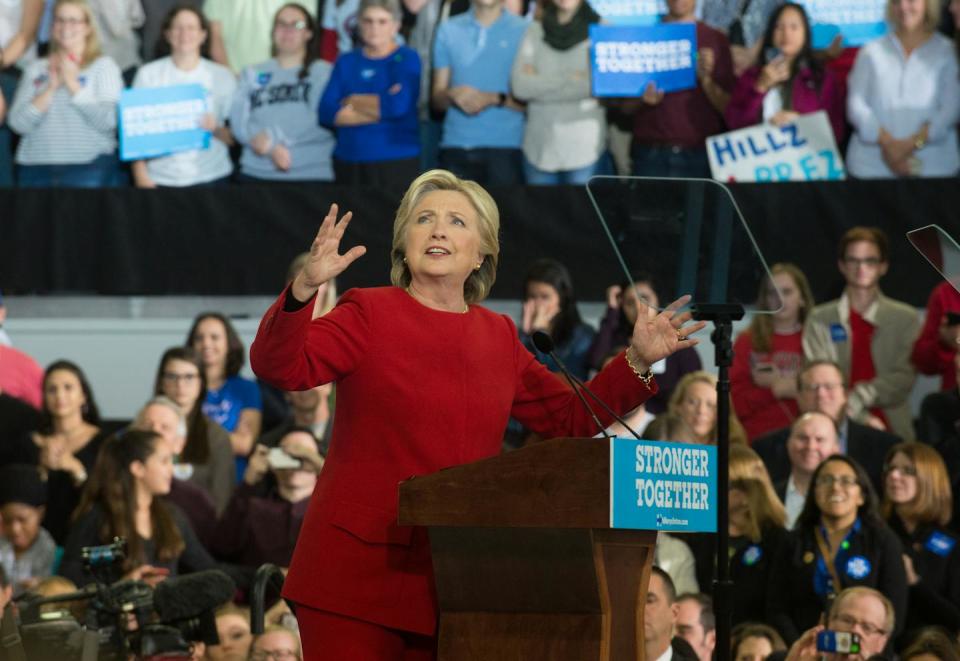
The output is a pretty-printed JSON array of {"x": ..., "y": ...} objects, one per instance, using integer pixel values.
[
  {"x": 418, "y": 390},
  {"x": 929, "y": 354}
]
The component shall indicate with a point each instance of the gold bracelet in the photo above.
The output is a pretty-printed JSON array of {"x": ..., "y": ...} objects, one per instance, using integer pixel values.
[{"x": 646, "y": 377}]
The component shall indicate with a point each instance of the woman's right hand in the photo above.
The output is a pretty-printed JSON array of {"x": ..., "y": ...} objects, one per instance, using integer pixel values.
[
  {"x": 775, "y": 72},
  {"x": 325, "y": 261},
  {"x": 258, "y": 465}
]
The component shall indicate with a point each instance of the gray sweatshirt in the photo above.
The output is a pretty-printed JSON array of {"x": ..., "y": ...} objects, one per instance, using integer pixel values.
[{"x": 278, "y": 102}]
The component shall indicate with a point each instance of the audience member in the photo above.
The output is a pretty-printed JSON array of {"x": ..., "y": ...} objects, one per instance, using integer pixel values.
[
  {"x": 118, "y": 23},
  {"x": 309, "y": 409},
  {"x": 27, "y": 550},
  {"x": 917, "y": 505},
  {"x": 696, "y": 623},
  {"x": 752, "y": 641},
  {"x": 659, "y": 620},
  {"x": 278, "y": 643},
  {"x": 65, "y": 108},
  {"x": 936, "y": 347},
  {"x": 550, "y": 306},
  {"x": 813, "y": 438},
  {"x": 840, "y": 541},
  {"x": 206, "y": 458},
  {"x": 565, "y": 133},
  {"x": 339, "y": 28},
  {"x": 19, "y": 21},
  {"x": 233, "y": 629},
  {"x": 691, "y": 415},
  {"x": 21, "y": 376},
  {"x": 904, "y": 99},
  {"x": 821, "y": 389},
  {"x": 669, "y": 129},
  {"x": 788, "y": 79},
  {"x": 931, "y": 643},
  {"x": 483, "y": 128},
  {"x": 185, "y": 30},
  {"x": 768, "y": 355},
  {"x": 256, "y": 529},
  {"x": 371, "y": 101},
  {"x": 155, "y": 14},
  {"x": 860, "y": 610},
  {"x": 616, "y": 326},
  {"x": 674, "y": 556},
  {"x": 122, "y": 500},
  {"x": 745, "y": 464},
  {"x": 869, "y": 335},
  {"x": 743, "y": 22},
  {"x": 274, "y": 110},
  {"x": 238, "y": 36},
  {"x": 232, "y": 401}
]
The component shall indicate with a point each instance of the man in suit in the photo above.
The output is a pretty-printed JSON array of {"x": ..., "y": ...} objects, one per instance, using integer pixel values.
[
  {"x": 821, "y": 388},
  {"x": 660, "y": 619},
  {"x": 813, "y": 438}
]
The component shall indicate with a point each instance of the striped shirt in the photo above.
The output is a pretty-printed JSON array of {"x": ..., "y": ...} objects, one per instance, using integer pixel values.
[{"x": 75, "y": 128}]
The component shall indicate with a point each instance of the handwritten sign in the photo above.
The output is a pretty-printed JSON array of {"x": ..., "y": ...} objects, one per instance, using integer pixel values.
[
  {"x": 156, "y": 121},
  {"x": 803, "y": 151},
  {"x": 857, "y": 21},
  {"x": 630, "y": 12},
  {"x": 624, "y": 59},
  {"x": 656, "y": 485}
]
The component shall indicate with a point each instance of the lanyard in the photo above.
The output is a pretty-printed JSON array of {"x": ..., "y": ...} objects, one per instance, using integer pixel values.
[{"x": 828, "y": 558}]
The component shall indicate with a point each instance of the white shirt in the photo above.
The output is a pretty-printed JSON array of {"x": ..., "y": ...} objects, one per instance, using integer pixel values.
[
  {"x": 668, "y": 655},
  {"x": 793, "y": 503},
  {"x": 900, "y": 93},
  {"x": 197, "y": 166}
]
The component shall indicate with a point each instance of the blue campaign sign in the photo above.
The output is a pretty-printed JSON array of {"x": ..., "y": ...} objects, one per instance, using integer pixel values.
[
  {"x": 857, "y": 21},
  {"x": 630, "y": 12},
  {"x": 655, "y": 485},
  {"x": 625, "y": 58},
  {"x": 156, "y": 121}
]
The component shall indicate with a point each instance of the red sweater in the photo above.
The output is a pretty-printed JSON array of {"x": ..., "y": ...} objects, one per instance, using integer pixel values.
[
  {"x": 929, "y": 355},
  {"x": 757, "y": 407},
  {"x": 418, "y": 390}
]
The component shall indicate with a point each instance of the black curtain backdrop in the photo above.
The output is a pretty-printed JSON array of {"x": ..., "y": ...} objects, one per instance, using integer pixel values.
[{"x": 239, "y": 240}]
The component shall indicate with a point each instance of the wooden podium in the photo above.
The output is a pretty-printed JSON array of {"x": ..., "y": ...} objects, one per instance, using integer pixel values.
[{"x": 527, "y": 566}]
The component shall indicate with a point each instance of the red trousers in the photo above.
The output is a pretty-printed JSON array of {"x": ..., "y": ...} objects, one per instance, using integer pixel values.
[{"x": 330, "y": 637}]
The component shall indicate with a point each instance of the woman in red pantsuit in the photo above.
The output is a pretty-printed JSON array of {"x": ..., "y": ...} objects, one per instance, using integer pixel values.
[{"x": 426, "y": 379}]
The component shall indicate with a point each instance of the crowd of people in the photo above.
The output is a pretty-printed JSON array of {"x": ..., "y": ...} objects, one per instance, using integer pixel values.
[{"x": 370, "y": 92}]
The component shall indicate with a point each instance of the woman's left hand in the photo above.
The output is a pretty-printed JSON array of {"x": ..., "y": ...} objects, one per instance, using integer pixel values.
[
  {"x": 658, "y": 335},
  {"x": 281, "y": 158}
]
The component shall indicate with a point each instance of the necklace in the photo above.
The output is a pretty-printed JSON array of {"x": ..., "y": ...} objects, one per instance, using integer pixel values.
[{"x": 466, "y": 308}]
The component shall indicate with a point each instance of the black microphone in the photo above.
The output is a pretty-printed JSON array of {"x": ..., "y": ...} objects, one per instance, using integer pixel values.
[
  {"x": 185, "y": 597},
  {"x": 544, "y": 344}
]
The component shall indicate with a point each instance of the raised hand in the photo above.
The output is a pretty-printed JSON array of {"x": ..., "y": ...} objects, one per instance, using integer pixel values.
[
  {"x": 658, "y": 335},
  {"x": 325, "y": 261}
]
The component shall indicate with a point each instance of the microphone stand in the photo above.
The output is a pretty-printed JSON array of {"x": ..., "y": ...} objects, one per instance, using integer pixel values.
[{"x": 722, "y": 315}]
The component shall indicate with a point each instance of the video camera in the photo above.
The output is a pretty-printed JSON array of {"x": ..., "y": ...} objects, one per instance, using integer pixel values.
[{"x": 123, "y": 618}]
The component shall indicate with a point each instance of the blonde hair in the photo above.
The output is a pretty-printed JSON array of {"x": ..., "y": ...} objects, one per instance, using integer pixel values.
[
  {"x": 934, "y": 500},
  {"x": 479, "y": 282},
  {"x": 92, "y": 50},
  {"x": 745, "y": 464},
  {"x": 737, "y": 433},
  {"x": 762, "y": 511},
  {"x": 931, "y": 16},
  {"x": 277, "y": 628}
]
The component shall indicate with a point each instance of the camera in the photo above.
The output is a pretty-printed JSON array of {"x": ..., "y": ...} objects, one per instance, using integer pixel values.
[
  {"x": 838, "y": 642},
  {"x": 280, "y": 460}
]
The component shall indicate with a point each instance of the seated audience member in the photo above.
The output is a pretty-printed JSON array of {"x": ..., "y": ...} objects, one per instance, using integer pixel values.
[
  {"x": 123, "y": 500},
  {"x": 274, "y": 109},
  {"x": 232, "y": 401},
  {"x": 118, "y": 24},
  {"x": 918, "y": 504},
  {"x": 743, "y": 23},
  {"x": 821, "y": 389},
  {"x": 66, "y": 445},
  {"x": 371, "y": 102},
  {"x": 788, "y": 80},
  {"x": 669, "y": 129},
  {"x": 473, "y": 54},
  {"x": 861, "y": 610},
  {"x": 768, "y": 355},
  {"x": 904, "y": 99},
  {"x": 697, "y": 624},
  {"x": 813, "y": 438},
  {"x": 691, "y": 415},
  {"x": 256, "y": 529},
  {"x": 839, "y": 541},
  {"x": 206, "y": 456},
  {"x": 615, "y": 330},
  {"x": 868, "y": 335},
  {"x": 185, "y": 32},
  {"x": 17, "y": 419},
  {"x": 65, "y": 108},
  {"x": 19, "y": 21},
  {"x": 233, "y": 629},
  {"x": 565, "y": 132},
  {"x": 21, "y": 376},
  {"x": 550, "y": 306},
  {"x": 276, "y": 642},
  {"x": 674, "y": 556},
  {"x": 660, "y": 619},
  {"x": 309, "y": 409},
  {"x": 935, "y": 350},
  {"x": 931, "y": 643},
  {"x": 752, "y": 641},
  {"x": 27, "y": 551},
  {"x": 238, "y": 38}
]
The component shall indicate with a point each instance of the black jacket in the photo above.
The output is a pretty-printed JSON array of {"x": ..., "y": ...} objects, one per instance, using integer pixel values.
[{"x": 750, "y": 567}]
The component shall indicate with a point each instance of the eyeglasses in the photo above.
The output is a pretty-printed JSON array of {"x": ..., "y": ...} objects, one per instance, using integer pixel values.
[
  {"x": 60, "y": 20},
  {"x": 851, "y": 622},
  {"x": 296, "y": 25},
  {"x": 905, "y": 469},
  {"x": 845, "y": 481},
  {"x": 865, "y": 261},
  {"x": 814, "y": 387},
  {"x": 279, "y": 655},
  {"x": 173, "y": 377}
]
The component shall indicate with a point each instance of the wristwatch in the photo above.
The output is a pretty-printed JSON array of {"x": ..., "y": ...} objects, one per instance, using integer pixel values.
[{"x": 503, "y": 100}]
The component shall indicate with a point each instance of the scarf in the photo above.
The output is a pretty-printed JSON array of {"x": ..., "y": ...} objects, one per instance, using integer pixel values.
[{"x": 564, "y": 37}]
